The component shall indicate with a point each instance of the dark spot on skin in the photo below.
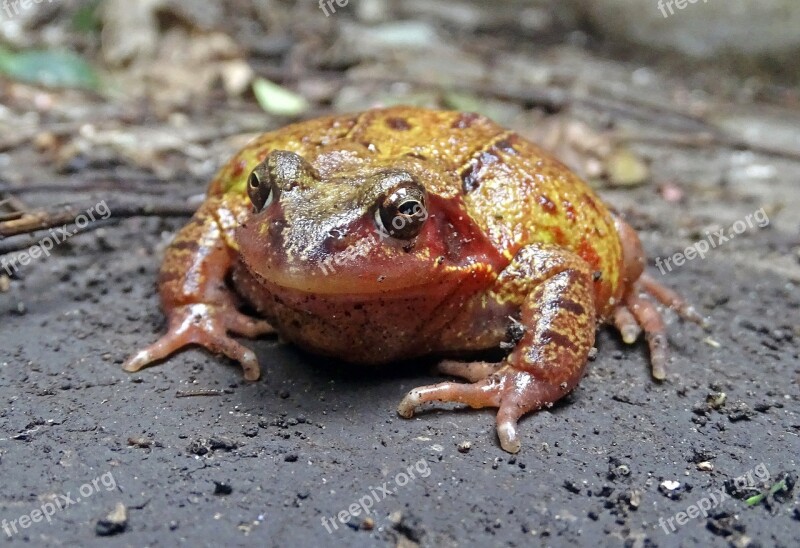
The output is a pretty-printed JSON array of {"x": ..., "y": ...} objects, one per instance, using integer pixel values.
[
  {"x": 506, "y": 145},
  {"x": 597, "y": 276},
  {"x": 471, "y": 177},
  {"x": 465, "y": 120},
  {"x": 184, "y": 245},
  {"x": 277, "y": 226},
  {"x": 588, "y": 200},
  {"x": 399, "y": 124},
  {"x": 558, "y": 235},
  {"x": 547, "y": 204},
  {"x": 588, "y": 254},
  {"x": 239, "y": 168},
  {"x": 570, "y": 210},
  {"x": 570, "y": 306},
  {"x": 549, "y": 336}
]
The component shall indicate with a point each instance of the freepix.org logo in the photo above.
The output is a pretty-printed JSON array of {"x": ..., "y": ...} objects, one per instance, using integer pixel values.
[
  {"x": 12, "y": 8},
  {"x": 56, "y": 237},
  {"x": 668, "y": 7},
  {"x": 327, "y": 6}
]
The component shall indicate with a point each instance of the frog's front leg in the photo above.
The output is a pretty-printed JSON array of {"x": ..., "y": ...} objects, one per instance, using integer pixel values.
[
  {"x": 558, "y": 316},
  {"x": 200, "y": 308}
]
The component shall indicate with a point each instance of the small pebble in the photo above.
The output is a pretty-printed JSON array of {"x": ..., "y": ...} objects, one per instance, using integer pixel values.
[
  {"x": 222, "y": 489},
  {"x": 114, "y": 523}
]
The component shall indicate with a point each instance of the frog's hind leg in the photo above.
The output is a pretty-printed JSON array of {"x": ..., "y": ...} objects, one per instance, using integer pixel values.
[
  {"x": 558, "y": 316},
  {"x": 200, "y": 308}
]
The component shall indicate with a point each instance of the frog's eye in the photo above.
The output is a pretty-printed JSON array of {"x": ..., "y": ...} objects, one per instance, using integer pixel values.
[
  {"x": 402, "y": 213},
  {"x": 259, "y": 188}
]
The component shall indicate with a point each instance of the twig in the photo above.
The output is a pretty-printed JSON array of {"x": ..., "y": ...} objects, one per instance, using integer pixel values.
[
  {"x": 707, "y": 140},
  {"x": 195, "y": 393},
  {"x": 20, "y": 242},
  {"x": 43, "y": 219},
  {"x": 146, "y": 186}
]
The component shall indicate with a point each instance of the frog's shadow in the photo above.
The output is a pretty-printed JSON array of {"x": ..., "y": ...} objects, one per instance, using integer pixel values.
[{"x": 288, "y": 366}]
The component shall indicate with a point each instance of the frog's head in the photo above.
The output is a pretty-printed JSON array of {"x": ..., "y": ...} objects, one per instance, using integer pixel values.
[{"x": 350, "y": 223}]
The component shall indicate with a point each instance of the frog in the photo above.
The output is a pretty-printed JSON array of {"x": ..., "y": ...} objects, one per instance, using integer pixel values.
[{"x": 404, "y": 233}]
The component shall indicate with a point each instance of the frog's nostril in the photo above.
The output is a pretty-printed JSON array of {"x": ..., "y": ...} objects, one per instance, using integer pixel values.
[{"x": 336, "y": 240}]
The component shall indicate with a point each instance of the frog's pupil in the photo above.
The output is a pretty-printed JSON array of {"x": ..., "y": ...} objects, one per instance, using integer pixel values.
[
  {"x": 409, "y": 207},
  {"x": 259, "y": 192}
]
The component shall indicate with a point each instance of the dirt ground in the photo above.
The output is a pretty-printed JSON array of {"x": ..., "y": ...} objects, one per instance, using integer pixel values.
[{"x": 197, "y": 456}]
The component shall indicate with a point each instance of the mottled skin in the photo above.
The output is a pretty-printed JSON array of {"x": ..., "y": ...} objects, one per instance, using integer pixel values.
[{"x": 495, "y": 243}]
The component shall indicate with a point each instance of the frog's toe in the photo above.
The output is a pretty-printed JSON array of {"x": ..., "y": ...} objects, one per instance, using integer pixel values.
[
  {"x": 649, "y": 318},
  {"x": 627, "y": 324},
  {"x": 670, "y": 298},
  {"x": 471, "y": 371},
  {"x": 507, "y": 433},
  {"x": 244, "y": 325},
  {"x": 169, "y": 343},
  {"x": 223, "y": 344},
  {"x": 476, "y": 395}
]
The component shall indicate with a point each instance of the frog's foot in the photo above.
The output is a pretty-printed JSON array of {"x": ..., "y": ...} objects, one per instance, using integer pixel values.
[
  {"x": 638, "y": 313},
  {"x": 558, "y": 323},
  {"x": 208, "y": 326},
  {"x": 513, "y": 392}
]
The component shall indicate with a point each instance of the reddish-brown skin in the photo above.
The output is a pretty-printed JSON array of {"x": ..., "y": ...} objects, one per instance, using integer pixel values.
[{"x": 496, "y": 244}]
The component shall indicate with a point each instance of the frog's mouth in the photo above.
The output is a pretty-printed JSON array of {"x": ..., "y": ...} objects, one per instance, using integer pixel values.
[
  {"x": 364, "y": 265},
  {"x": 302, "y": 256}
]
